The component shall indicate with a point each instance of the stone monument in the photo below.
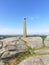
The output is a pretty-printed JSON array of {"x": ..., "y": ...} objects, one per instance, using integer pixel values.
[{"x": 24, "y": 28}]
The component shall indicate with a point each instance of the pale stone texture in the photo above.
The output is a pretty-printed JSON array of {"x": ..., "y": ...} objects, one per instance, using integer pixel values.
[
  {"x": 1, "y": 62},
  {"x": 46, "y": 41},
  {"x": 9, "y": 41},
  {"x": 42, "y": 51},
  {"x": 21, "y": 46},
  {"x": 36, "y": 60},
  {"x": 34, "y": 42},
  {"x": 8, "y": 54},
  {"x": 32, "y": 61},
  {"x": 12, "y": 47},
  {"x": 45, "y": 59}
]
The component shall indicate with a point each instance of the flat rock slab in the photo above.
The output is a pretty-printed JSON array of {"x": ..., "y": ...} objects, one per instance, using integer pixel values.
[
  {"x": 42, "y": 51},
  {"x": 11, "y": 48},
  {"x": 46, "y": 41},
  {"x": 8, "y": 41},
  {"x": 34, "y": 42},
  {"x": 36, "y": 60},
  {"x": 21, "y": 46}
]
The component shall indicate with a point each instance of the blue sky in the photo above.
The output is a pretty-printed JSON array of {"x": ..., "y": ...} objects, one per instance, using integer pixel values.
[{"x": 12, "y": 13}]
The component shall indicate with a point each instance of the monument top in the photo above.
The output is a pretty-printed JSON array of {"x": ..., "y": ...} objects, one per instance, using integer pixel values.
[{"x": 24, "y": 18}]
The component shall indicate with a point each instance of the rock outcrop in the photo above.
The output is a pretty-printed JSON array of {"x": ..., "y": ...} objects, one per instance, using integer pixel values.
[
  {"x": 11, "y": 48},
  {"x": 36, "y": 60},
  {"x": 1, "y": 62},
  {"x": 34, "y": 42},
  {"x": 42, "y": 51},
  {"x": 32, "y": 61},
  {"x": 46, "y": 41}
]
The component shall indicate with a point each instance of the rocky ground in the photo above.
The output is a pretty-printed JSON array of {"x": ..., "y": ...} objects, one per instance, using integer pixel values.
[
  {"x": 24, "y": 51},
  {"x": 36, "y": 60}
]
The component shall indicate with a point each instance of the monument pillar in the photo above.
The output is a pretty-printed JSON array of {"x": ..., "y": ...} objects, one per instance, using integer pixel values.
[{"x": 24, "y": 28}]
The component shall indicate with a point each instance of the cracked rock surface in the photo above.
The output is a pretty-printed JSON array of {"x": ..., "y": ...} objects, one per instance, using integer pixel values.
[{"x": 10, "y": 48}]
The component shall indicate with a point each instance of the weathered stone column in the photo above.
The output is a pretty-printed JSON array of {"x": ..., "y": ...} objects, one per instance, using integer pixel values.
[{"x": 24, "y": 28}]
